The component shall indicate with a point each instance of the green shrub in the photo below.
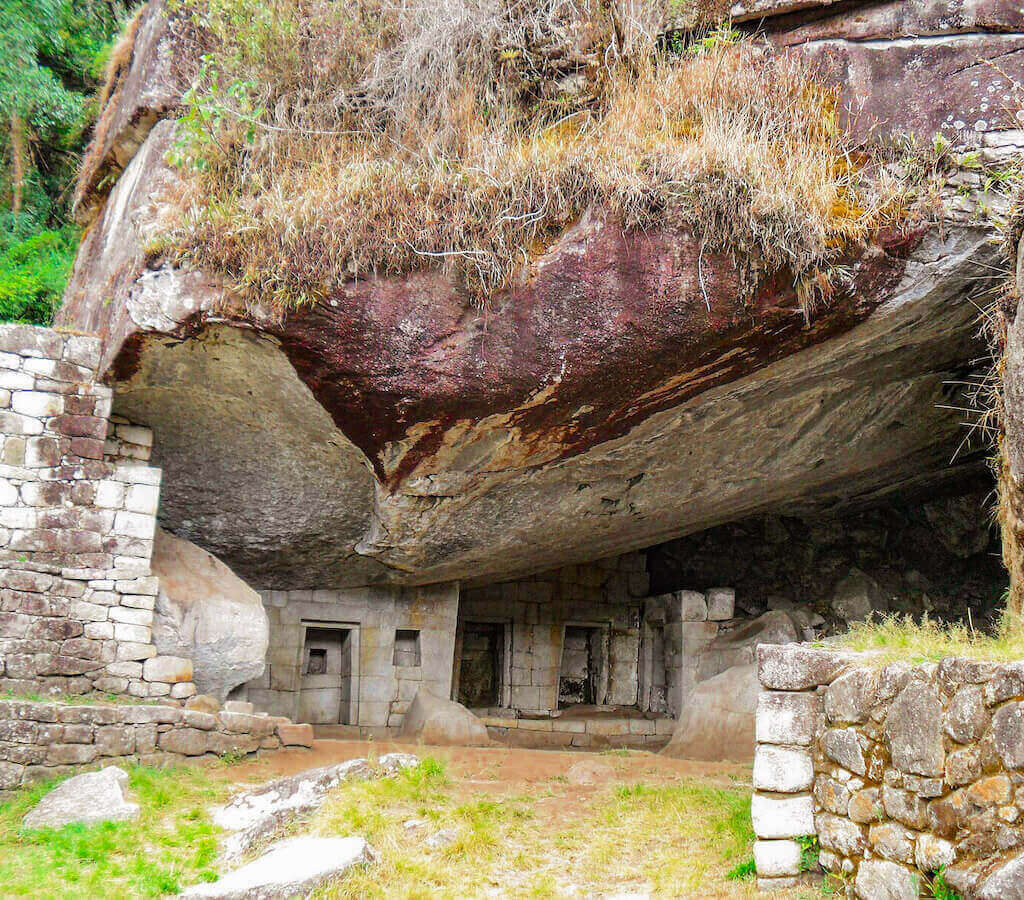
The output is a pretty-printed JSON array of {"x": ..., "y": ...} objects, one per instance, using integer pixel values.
[
  {"x": 33, "y": 273},
  {"x": 743, "y": 872}
]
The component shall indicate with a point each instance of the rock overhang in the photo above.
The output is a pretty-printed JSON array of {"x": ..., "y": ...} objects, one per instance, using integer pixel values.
[{"x": 618, "y": 396}]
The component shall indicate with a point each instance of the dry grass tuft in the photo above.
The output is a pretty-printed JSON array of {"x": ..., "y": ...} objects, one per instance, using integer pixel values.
[
  {"x": 329, "y": 141},
  {"x": 905, "y": 638}
]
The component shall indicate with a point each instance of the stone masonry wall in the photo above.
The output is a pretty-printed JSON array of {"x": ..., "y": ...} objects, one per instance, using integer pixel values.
[
  {"x": 383, "y": 688},
  {"x": 78, "y": 507},
  {"x": 43, "y": 740},
  {"x": 608, "y": 592},
  {"x": 900, "y": 769}
]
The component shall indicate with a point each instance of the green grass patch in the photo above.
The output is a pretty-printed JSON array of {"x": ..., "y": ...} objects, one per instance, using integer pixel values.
[
  {"x": 903, "y": 638},
  {"x": 172, "y": 844}
]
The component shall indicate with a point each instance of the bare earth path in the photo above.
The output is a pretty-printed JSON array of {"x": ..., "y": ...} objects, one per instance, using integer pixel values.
[{"x": 511, "y": 823}]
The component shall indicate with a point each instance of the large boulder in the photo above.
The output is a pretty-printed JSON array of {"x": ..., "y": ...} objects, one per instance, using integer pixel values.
[
  {"x": 717, "y": 722},
  {"x": 857, "y": 596},
  {"x": 431, "y": 720},
  {"x": 206, "y": 613},
  {"x": 738, "y": 647},
  {"x": 85, "y": 800},
  {"x": 620, "y": 393}
]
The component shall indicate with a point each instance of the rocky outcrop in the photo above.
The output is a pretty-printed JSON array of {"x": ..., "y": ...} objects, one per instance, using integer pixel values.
[
  {"x": 620, "y": 394},
  {"x": 205, "y": 613},
  {"x": 253, "y": 817},
  {"x": 291, "y": 868}
]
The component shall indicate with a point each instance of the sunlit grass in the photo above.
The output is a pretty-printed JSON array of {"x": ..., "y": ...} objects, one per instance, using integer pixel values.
[
  {"x": 904, "y": 638},
  {"x": 171, "y": 844}
]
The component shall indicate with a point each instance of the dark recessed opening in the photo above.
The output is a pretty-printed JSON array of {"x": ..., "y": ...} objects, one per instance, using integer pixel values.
[{"x": 407, "y": 647}]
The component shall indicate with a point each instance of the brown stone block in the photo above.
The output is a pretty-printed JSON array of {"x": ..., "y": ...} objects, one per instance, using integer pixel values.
[
  {"x": 80, "y": 426},
  {"x": 70, "y": 754},
  {"x": 295, "y": 735},
  {"x": 115, "y": 740}
]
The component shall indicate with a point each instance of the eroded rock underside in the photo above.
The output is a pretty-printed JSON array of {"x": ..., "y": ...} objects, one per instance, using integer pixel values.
[{"x": 621, "y": 394}]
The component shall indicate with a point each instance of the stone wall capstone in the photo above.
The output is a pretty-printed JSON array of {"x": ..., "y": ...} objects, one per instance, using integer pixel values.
[
  {"x": 902, "y": 770},
  {"x": 78, "y": 504}
]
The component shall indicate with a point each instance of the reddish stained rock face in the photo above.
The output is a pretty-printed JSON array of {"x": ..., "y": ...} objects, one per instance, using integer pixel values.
[{"x": 612, "y": 327}]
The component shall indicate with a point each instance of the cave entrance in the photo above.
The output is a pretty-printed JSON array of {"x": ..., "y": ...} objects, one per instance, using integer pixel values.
[
  {"x": 582, "y": 672},
  {"x": 329, "y": 688},
  {"x": 480, "y": 678}
]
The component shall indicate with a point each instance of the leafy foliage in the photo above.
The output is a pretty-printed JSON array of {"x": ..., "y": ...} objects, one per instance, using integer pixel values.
[
  {"x": 809, "y": 852},
  {"x": 51, "y": 59},
  {"x": 33, "y": 273}
]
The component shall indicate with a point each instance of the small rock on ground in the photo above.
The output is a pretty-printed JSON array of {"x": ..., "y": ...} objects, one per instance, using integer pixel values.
[
  {"x": 295, "y": 866},
  {"x": 85, "y": 799},
  {"x": 441, "y": 839},
  {"x": 590, "y": 771}
]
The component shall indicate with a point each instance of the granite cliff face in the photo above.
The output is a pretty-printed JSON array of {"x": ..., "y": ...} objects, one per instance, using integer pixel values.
[{"x": 620, "y": 394}]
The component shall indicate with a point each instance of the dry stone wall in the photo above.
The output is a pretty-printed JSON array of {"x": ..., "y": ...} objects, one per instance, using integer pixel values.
[
  {"x": 43, "y": 740},
  {"x": 78, "y": 505},
  {"x": 901, "y": 770}
]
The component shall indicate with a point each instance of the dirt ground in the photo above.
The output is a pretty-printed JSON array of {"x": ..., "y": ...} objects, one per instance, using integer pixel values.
[
  {"x": 559, "y": 809},
  {"x": 515, "y": 768}
]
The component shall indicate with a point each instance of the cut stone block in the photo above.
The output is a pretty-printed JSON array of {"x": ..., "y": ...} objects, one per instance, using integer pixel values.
[{"x": 782, "y": 817}]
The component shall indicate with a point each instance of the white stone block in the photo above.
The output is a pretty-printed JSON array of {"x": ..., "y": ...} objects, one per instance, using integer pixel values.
[
  {"x": 782, "y": 817},
  {"x": 137, "y": 634},
  {"x": 785, "y": 717},
  {"x": 692, "y": 606},
  {"x": 170, "y": 669},
  {"x": 110, "y": 495},
  {"x": 131, "y": 616},
  {"x": 721, "y": 603},
  {"x": 18, "y": 517},
  {"x": 89, "y": 612},
  {"x": 135, "y": 434},
  {"x": 782, "y": 769},
  {"x": 143, "y": 498},
  {"x": 10, "y": 361},
  {"x": 125, "y": 669},
  {"x": 37, "y": 404},
  {"x": 147, "y": 585},
  {"x": 775, "y": 859},
  {"x": 8, "y": 494},
  {"x": 100, "y": 631},
  {"x": 135, "y": 525},
  {"x": 127, "y": 650},
  {"x": 16, "y": 381}
]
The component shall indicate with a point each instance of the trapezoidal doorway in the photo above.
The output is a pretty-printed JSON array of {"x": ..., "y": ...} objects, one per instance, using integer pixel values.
[
  {"x": 583, "y": 672},
  {"x": 329, "y": 689}
]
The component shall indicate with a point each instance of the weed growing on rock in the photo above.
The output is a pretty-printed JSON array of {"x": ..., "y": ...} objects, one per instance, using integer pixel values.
[{"x": 331, "y": 141}]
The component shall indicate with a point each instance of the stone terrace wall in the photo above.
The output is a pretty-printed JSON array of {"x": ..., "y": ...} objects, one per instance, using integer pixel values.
[
  {"x": 900, "y": 769},
  {"x": 78, "y": 510},
  {"x": 42, "y": 740}
]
